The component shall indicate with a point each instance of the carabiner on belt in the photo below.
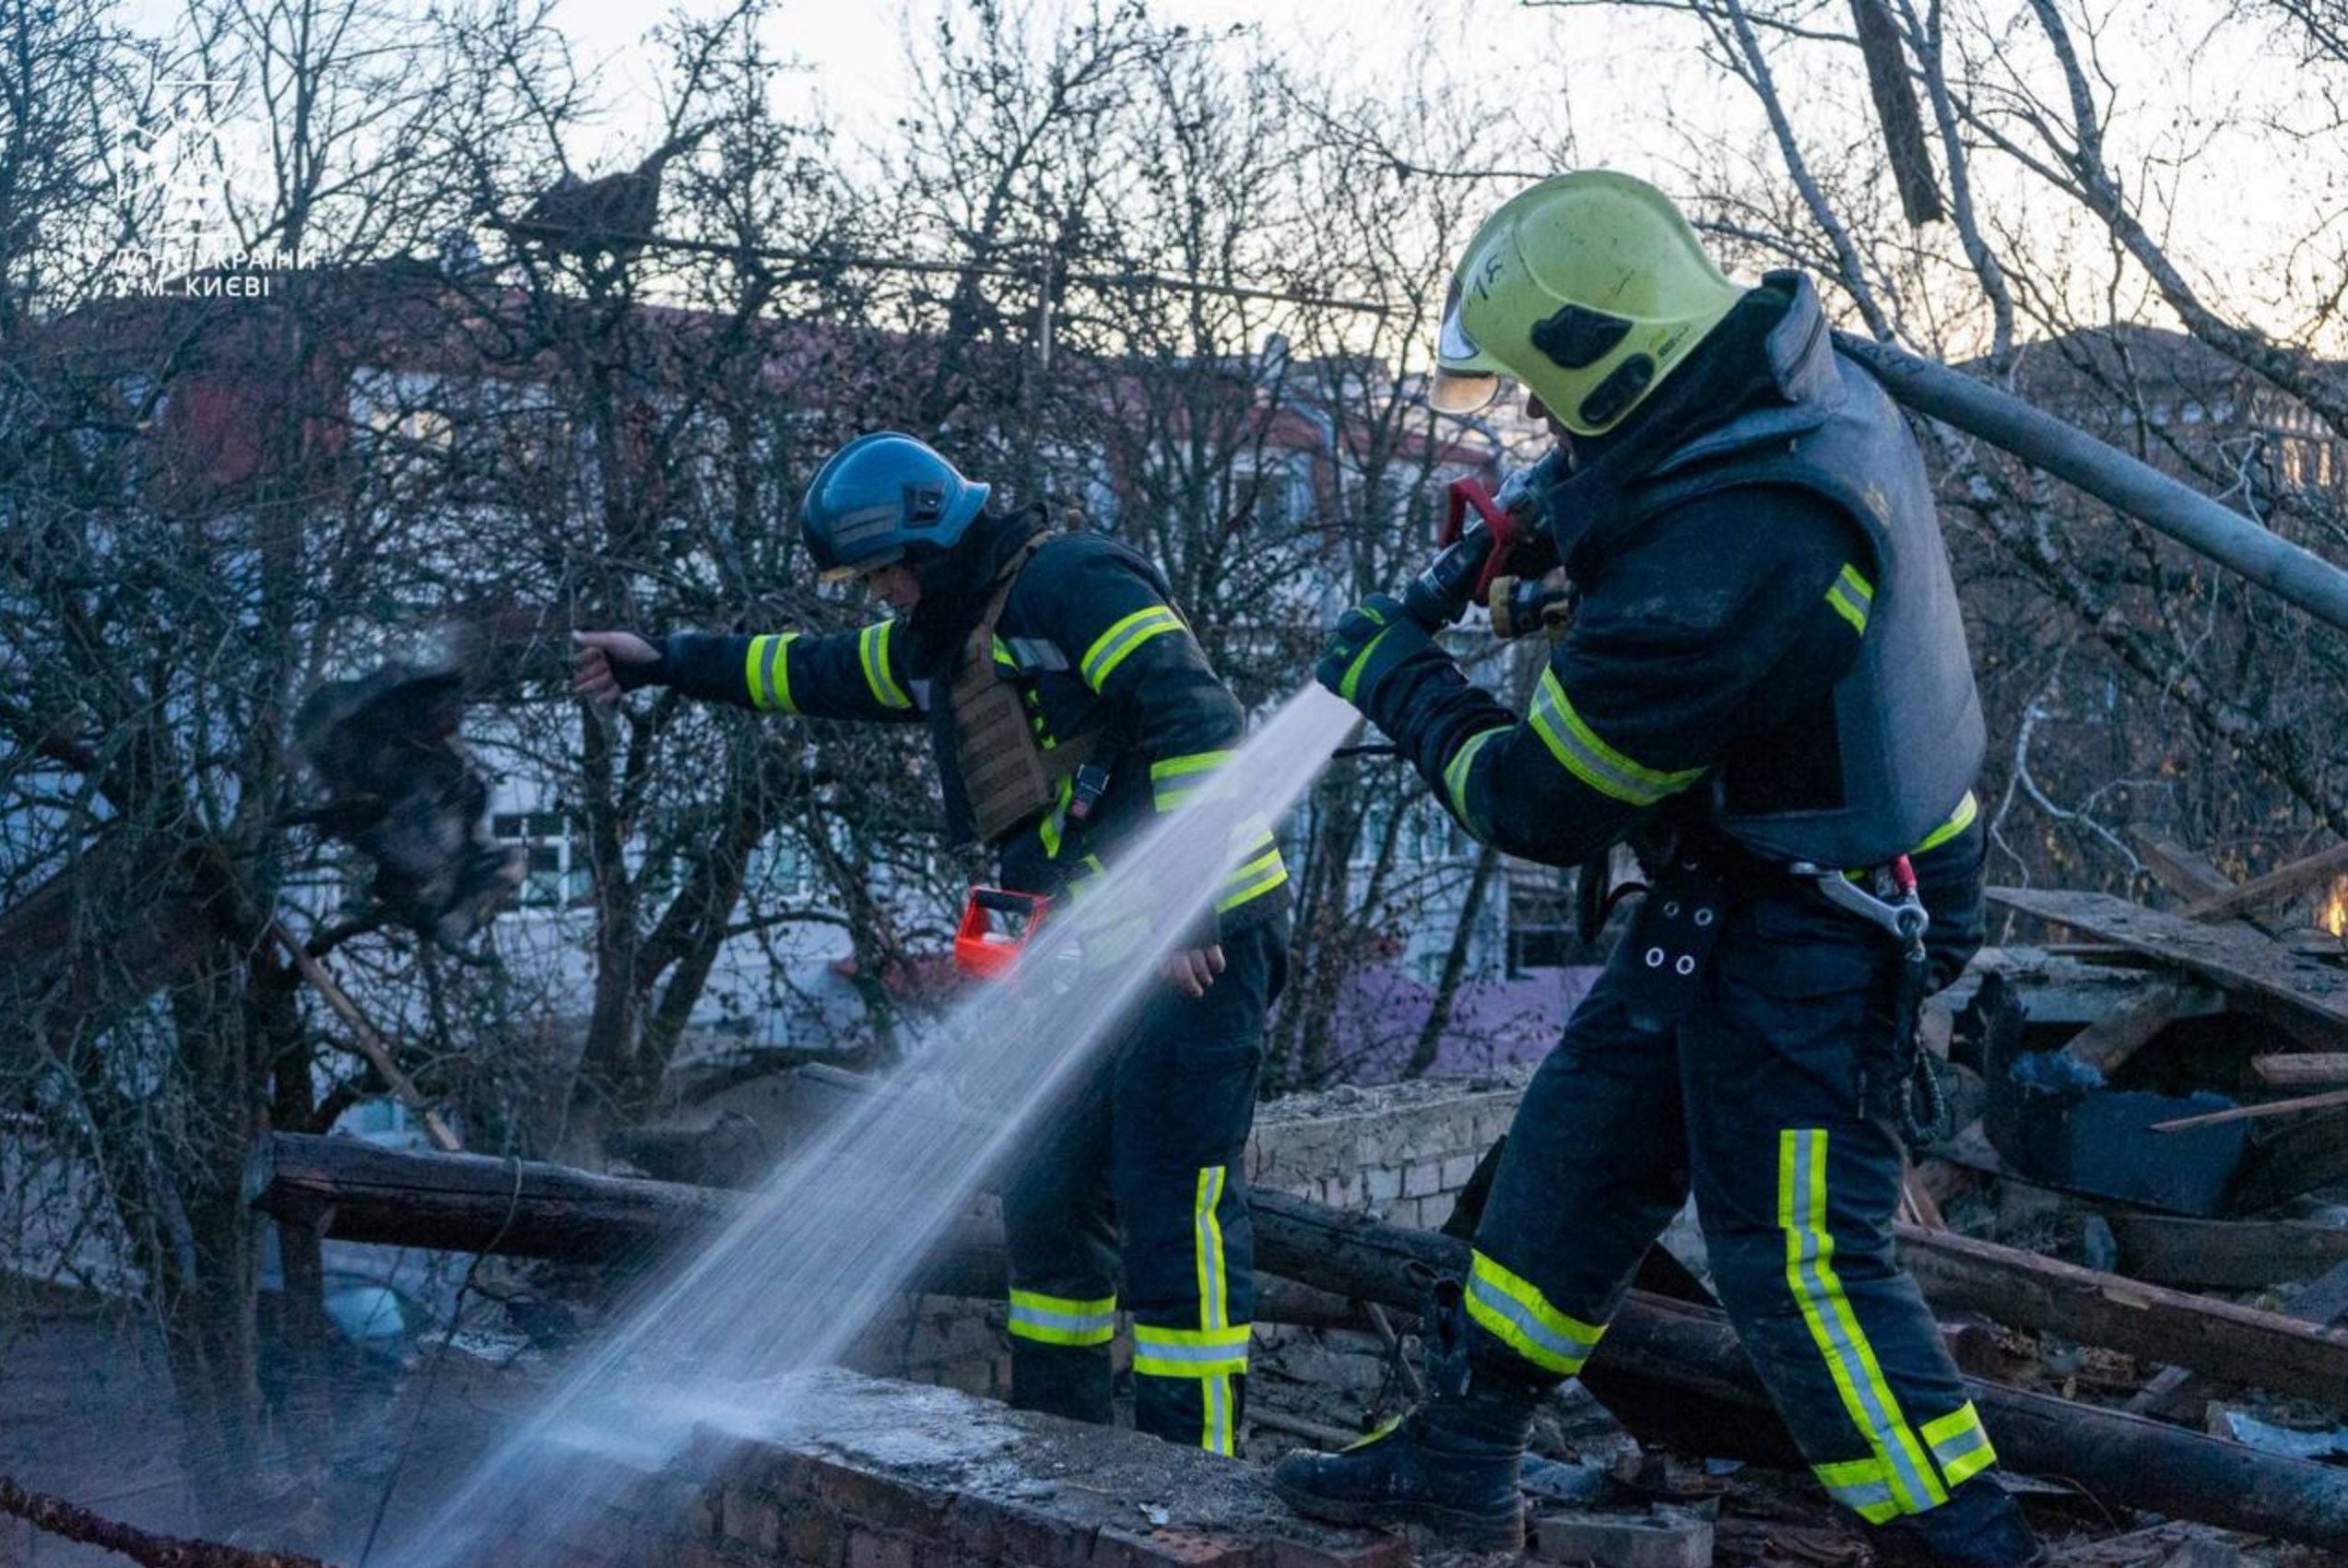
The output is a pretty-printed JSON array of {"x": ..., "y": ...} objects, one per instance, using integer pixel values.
[{"x": 1903, "y": 916}]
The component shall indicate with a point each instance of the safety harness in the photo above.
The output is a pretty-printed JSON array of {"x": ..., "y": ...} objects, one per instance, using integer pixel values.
[{"x": 1693, "y": 877}]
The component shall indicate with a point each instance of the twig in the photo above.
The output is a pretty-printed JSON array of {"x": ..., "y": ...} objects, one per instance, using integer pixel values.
[
  {"x": 2246, "y": 1113},
  {"x": 55, "y": 1516},
  {"x": 371, "y": 1044},
  {"x": 1393, "y": 1342}
]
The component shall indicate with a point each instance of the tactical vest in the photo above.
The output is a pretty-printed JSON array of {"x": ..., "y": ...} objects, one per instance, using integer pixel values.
[
  {"x": 1907, "y": 716},
  {"x": 1008, "y": 777}
]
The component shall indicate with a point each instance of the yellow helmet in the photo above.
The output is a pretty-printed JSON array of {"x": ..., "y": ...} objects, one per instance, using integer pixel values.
[{"x": 1588, "y": 289}]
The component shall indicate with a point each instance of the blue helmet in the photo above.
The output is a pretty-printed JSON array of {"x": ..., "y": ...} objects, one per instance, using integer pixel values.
[{"x": 881, "y": 498}]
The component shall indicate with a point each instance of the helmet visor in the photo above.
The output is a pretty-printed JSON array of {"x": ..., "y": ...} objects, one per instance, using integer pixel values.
[
  {"x": 1458, "y": 389},
  {"x": 1462, "y": 392}
]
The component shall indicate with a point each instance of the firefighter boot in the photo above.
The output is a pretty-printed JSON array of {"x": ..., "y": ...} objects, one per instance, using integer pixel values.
[
  {"x": 1450, "y": 1465},
  {"x": 1978, "y": 1526}
]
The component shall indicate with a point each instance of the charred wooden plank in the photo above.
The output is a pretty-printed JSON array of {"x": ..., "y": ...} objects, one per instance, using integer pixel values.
[
  {"x": 469, "y": 1202},
  {"x": 2299, "y": 1158},
  {"x": 2111, "y": 1040},
  {"x": 2184, "y": 872},
  {"x": 2324, "y": 1302},
  {"x": 2231, "y": 954},
  {"x": 2301, "y": 1069},
  {"x": 2222, "y": 1254},
  {"x": 2284, "y": 882},
  {"x": 2238, "y": 1344}
]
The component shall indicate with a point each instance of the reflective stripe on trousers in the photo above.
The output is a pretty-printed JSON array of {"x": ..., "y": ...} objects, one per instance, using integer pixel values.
[
  {"x": 1058, "y": 1320},
  {"x": 1511, "y": 1310},
  {"x": 1959, "y": 1445},
  {"x": 1835, "y": 1328},
  {"x": 1216, "y": 1351}
]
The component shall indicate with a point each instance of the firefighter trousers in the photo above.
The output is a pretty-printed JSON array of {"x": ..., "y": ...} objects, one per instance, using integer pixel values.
[
  {"x": 1141, "y": 1164},
  {"x": 1773, "y": 1099}
]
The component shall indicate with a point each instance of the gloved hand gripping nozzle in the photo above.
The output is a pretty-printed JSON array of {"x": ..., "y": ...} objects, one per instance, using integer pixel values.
[{"x": 1482, "y": 533}]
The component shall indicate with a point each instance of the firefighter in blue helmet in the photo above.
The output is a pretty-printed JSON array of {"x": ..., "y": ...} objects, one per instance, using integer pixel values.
[
  {"x": 1765, "y": 687},
  {"x": 1068, "y": 706}
]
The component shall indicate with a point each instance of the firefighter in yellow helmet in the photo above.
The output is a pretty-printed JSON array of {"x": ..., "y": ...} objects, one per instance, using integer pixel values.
[
  {"x": 1591, "y": 288},
  {"x": 1766, "y": 689}
]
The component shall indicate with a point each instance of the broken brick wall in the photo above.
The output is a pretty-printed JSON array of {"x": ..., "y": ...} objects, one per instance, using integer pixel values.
[{"x": 1401, "y": 1152}]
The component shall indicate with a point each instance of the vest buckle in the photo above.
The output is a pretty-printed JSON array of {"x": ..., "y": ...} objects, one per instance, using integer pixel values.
[{"x": 1091, "y": 782}]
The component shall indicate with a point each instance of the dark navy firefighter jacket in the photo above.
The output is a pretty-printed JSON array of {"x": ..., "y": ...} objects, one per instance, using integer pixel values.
[{"x": 1094, "y": 644}]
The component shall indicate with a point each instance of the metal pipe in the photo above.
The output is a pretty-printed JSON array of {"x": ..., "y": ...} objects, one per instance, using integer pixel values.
[{"x": 2109, "y": 474}]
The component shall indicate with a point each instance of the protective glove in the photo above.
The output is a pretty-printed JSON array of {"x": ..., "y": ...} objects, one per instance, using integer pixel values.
[
  {"x": 1371, "y": 642},
  {"x": 605, "y": 664}
]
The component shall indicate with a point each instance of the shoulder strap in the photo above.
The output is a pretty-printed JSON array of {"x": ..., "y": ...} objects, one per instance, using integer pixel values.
[{"x": 1007, "y": 776}]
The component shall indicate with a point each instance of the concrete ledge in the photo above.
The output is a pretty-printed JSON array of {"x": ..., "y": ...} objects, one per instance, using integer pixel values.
[{"x": 865, "y": 1472}]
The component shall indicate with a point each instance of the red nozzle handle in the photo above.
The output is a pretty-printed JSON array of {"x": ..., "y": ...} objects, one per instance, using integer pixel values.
[
  {"x": 1506, "y": 531},
  {"x": 978, "y": 952}
]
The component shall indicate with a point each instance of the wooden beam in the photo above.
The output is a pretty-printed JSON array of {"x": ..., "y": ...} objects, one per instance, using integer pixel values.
[
  {"x": 2184, "y": 872},
  {"x": 357, "y": 1191},
  {"x": 2298, "y": 1070},
  {"x": 2111, "y": 1040},
  {"x": 1679, "y": 1367},
  {"x": 362, "y": 1191},
  {"x": 2315, "y": 870},
  {"x": 2024, "y": 1289},
  {"x": 2324, "y": 1302},
  {"x": 2222, "y": 1254},
  {"x": 2231, "y": 955},
  {"x": 2059, "y": 990}
]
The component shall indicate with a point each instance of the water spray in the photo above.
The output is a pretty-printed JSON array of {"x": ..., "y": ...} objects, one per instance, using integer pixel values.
[{"x": 841, "y": 1224}]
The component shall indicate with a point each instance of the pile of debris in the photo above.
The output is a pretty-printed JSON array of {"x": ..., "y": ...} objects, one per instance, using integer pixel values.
[{"x": 2162, "y": 1060}]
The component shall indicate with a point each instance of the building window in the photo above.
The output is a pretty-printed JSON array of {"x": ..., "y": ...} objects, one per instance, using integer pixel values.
[
  {"x": 1275, "y": 490},
  {"x": 402, "y": 408},
  {"x": 557, "y": 874},
  {"x": 1541, "y": 933},
  {"x": 783, "y": 868},
  {"x": 1538, "y": 947}
]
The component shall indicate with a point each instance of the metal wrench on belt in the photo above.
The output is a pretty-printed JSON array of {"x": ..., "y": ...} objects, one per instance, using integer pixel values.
[{"x": 1903, "y": 918}]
